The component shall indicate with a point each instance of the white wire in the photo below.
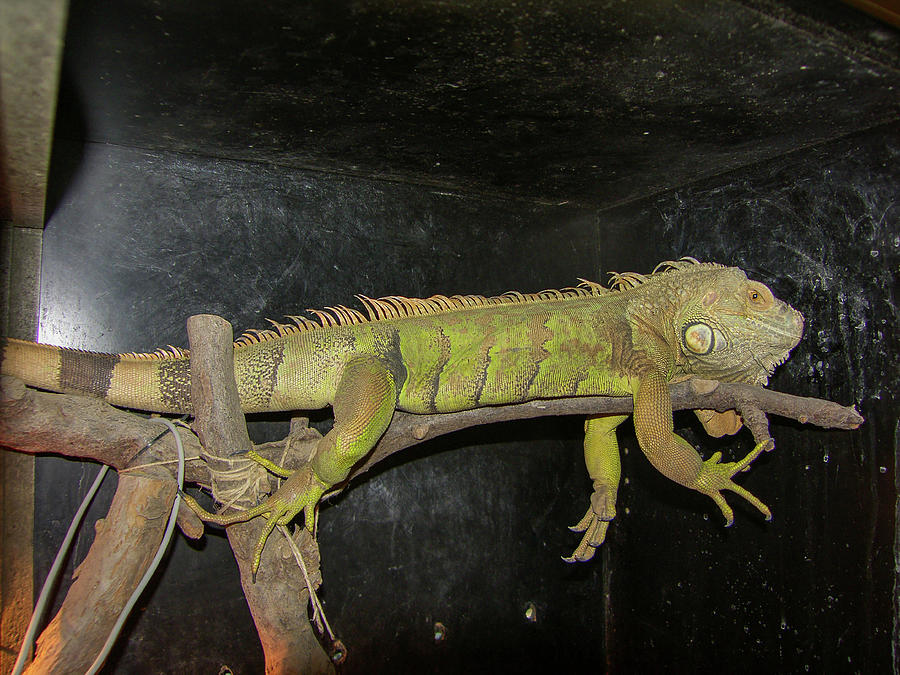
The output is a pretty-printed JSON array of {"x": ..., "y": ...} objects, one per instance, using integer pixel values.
[
  {"x": 170, "y": 526},
  {"x": 44, "y": 598}
]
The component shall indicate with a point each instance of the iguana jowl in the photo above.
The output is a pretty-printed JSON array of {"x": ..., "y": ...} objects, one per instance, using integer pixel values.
[{"x": 444, "y": 354}]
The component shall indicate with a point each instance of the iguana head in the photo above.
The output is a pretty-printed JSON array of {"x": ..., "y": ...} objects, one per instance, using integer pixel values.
[{"x": 730, "y": 328}]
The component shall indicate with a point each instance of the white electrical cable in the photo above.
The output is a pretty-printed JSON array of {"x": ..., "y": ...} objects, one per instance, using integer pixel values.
[
  {"x": 49, "y": 582},
  {"x": 44, "y": 598},
  {"x": 163, "y": 545}
]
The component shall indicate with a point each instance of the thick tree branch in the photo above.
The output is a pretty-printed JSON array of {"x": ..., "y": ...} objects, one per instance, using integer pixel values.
[
  {"x": 278, "y": 600},
  {"x": 38, "y": 422},
  {"x": 76, "y": 426},
  {"x": 750, "y": 401},
  {"x": 125, "y": 543}
]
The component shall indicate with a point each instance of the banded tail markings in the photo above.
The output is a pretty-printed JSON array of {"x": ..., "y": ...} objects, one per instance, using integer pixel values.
[
  {"x": 139, "y": 381},
  {"x": 36, "y": 365},
  {"x": 57, "y": 369},
  {"x": 85, "y": 372}
]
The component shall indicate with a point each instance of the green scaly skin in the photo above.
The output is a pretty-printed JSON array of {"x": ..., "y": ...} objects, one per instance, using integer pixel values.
[{"x": 443, "y": 354}]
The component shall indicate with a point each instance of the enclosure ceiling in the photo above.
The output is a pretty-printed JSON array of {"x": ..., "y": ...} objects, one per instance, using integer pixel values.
[{"x": 557, "y": 100}]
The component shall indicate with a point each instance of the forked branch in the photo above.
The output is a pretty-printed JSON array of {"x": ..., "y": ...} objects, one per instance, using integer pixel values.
[{"x": 39, "y": 422}]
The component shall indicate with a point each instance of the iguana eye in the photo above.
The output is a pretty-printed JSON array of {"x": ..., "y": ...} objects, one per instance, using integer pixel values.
[
  {"x": 699, "y": 338},
  {"x": 759, "y": 296}
]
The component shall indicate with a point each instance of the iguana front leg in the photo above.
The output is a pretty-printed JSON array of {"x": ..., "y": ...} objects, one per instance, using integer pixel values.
[
  {"x": 601, "y": 456},
  {"x": 363, "y": 405},
  {"x": 675, "y": 458}
]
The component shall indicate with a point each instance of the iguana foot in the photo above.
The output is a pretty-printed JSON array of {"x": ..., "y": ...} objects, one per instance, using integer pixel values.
[
  {"x": 300, "y": 492},
  {"x": 594, "y": 523},
  {"x": 715, "y": 477}
]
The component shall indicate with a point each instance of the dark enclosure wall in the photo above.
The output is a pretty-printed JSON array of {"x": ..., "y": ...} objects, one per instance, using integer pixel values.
[
  {"x": 253, "y": 161},
  {"x": 816, "y": 585}
]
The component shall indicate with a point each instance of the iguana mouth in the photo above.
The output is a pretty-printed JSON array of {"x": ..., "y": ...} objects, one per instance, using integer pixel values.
[{"x": 789, "y": 335}]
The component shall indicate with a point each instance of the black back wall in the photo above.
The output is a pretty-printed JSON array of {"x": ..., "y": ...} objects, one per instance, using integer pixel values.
[{"x": 253, "y": 164}]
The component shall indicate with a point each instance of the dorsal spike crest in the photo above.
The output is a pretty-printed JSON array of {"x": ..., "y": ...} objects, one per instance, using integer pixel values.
[
  {"x": 280, "y": 328},
  {"x": 382, "y": 308},
  {"x": 355, "y": 315},
  {"x": 397, "y": 306},
  {"x": 683, "y": 263},
  {"x": 323, "y": 317},
  {"x": 337, "y": 313},
  {"x": 462, "y": 300},
  {"x": 592, "y": 286}
]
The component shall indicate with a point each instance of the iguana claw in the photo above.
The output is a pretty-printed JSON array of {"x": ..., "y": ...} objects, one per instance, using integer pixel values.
[
  {"x": 715, "y": 477},
  {"x": 594, "y": 534},
  {"x": 594, "y": 524},
  {"x": 300, "y": 492}
]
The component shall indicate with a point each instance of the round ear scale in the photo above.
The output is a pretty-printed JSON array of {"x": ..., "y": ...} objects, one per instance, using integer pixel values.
[{"x": 698, "y": 338}]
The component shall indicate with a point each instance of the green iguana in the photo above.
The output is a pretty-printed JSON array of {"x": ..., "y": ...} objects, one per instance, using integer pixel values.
[{"x": 445, "y": 354}]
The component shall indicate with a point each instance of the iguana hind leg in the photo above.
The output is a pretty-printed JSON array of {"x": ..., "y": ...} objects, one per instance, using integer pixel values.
[
  {"x": 301, "y": 491},
  {"x": 601, "y": 456},
  {"x": 263, "y": 508},
  {"x": 363, "y": 405}
]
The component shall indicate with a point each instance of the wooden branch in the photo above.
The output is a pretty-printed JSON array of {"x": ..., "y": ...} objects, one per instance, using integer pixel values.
[
  {"x": 751, "y": 401},
  {"x": 38, "y": 422},
  {"x": 33, "y": 421},
  {"x": 76, "y": 426},
  {"x": 279, "y": 601},
  {"x": 125, "y": 543},
  {"x": 126, "y": 540}
]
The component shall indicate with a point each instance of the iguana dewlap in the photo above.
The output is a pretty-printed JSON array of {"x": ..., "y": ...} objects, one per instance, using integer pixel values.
[{"x": 444, "y": 354}]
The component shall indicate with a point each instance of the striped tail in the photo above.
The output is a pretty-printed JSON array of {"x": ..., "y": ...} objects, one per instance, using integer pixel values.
[{"x": 157, "y": 382}]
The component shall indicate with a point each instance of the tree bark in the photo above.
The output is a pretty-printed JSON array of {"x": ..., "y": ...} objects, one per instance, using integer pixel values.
[
  {"x": 279, "y": 598},
  {"x": 124, "y": 545}
]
